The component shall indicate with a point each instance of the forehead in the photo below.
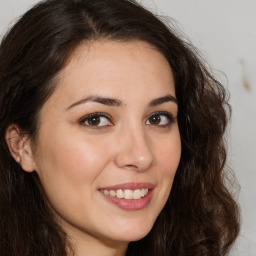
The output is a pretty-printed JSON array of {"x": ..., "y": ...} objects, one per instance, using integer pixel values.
[{"x": 111, "y": 67}]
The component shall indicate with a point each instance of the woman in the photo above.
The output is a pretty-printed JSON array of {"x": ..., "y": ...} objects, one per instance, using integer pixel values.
[{"x": 102, "y": 105}]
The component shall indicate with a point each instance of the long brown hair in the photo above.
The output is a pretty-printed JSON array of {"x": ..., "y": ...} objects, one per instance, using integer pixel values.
[{"x": 200, "y": 216}]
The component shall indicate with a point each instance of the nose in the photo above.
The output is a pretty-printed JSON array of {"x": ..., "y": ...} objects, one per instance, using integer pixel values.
[{"x": 134, "y": 151}]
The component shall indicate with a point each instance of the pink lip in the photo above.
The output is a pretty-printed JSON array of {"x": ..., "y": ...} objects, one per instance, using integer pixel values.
[{"x": 129, "y": 204}]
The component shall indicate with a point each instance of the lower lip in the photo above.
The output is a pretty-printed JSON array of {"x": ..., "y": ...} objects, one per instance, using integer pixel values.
[{"x": 130, "y": 204}]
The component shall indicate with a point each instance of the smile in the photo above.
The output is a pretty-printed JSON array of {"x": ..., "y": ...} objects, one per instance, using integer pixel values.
[
  {"x": 129, "y": 196},
  {"x": 127, "y": 193}
]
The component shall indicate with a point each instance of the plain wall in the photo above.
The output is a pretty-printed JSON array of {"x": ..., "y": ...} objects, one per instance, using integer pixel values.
[{"x": 225, "y": 32}]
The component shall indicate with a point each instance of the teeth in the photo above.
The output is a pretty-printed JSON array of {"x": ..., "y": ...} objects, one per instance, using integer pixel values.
[
  {"x": 120, "y": 193},
  {"x": 112, "y": 193},
  {"x": 106, "y": 192},
  {"x": 127, "y": 193}
]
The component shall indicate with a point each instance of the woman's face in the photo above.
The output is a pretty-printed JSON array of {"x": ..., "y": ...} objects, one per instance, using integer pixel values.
[{"x": 109, "y": 144}]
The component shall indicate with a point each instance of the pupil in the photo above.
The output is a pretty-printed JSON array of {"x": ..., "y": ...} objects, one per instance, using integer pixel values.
[
  {"x": 155, "y": 119},
  {"x": 94, "y": 120}
]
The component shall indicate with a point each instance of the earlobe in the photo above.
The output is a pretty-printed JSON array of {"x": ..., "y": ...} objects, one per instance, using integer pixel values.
[{"x": 20, "y": 147}]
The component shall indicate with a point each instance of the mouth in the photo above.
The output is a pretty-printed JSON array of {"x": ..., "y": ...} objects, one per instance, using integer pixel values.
[
  {"x": 127, "y": 193},
  {"x": 129, "y": 196}
]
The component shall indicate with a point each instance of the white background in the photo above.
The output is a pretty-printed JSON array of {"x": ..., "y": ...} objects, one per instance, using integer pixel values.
[{"x": 225, "y": 32}]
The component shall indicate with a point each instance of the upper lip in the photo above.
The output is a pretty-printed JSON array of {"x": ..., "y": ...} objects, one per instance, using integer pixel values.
[{"x": 130, "y": 185}]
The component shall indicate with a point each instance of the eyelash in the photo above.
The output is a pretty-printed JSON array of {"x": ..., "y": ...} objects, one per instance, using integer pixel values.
[
  {"x": 95, "y": 115},
  {"x": 89, "y": 118},
  {"x": 168, "y": 115}
]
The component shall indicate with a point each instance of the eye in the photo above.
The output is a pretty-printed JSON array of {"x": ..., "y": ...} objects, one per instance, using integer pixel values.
[
  {"x": 96, "y": 120},
  {"x": 160, "y": 119}
]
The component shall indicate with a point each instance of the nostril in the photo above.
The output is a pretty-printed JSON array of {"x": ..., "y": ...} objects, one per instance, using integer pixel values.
[{"x": 131, "y": 166}]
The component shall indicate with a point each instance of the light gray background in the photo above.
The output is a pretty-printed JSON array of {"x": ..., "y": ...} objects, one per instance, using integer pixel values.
[{"x": 225, "y": 32}]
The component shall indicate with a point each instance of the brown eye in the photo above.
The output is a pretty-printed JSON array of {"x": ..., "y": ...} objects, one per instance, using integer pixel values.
[
  {"x": 155, "y": 120},
  {"x": 161, "y": 119},
  {"x": 96, "y": 120}
]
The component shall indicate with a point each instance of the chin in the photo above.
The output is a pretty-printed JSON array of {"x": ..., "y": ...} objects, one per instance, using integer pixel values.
[{"x": 132, "y": 232}]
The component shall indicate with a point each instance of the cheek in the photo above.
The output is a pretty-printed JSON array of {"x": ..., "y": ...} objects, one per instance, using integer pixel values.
[
  {"x": 69, "y": 164},
  {"x": 168, "y": 158},
  {"x": 72, "y": 155},
  {"x": 68, "y": 168},
  {"x": 169, "y": 155}
]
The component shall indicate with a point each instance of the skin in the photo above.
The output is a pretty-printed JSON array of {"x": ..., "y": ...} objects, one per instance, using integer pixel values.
[{"x": 74, "y": 159}]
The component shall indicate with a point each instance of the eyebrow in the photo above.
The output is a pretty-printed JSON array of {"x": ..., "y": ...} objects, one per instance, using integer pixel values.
[
  {"x": 117, "y": 103},
  {"x": 105, "y": 101},
  {"x": 161, "y": 100}
]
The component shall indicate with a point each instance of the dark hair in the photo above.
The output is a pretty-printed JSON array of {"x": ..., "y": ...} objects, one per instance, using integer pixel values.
[{"x": 200, "y": 216}]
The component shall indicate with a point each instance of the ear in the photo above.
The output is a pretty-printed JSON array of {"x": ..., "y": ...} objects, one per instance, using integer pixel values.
[{"x": 20, "y": 148}]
